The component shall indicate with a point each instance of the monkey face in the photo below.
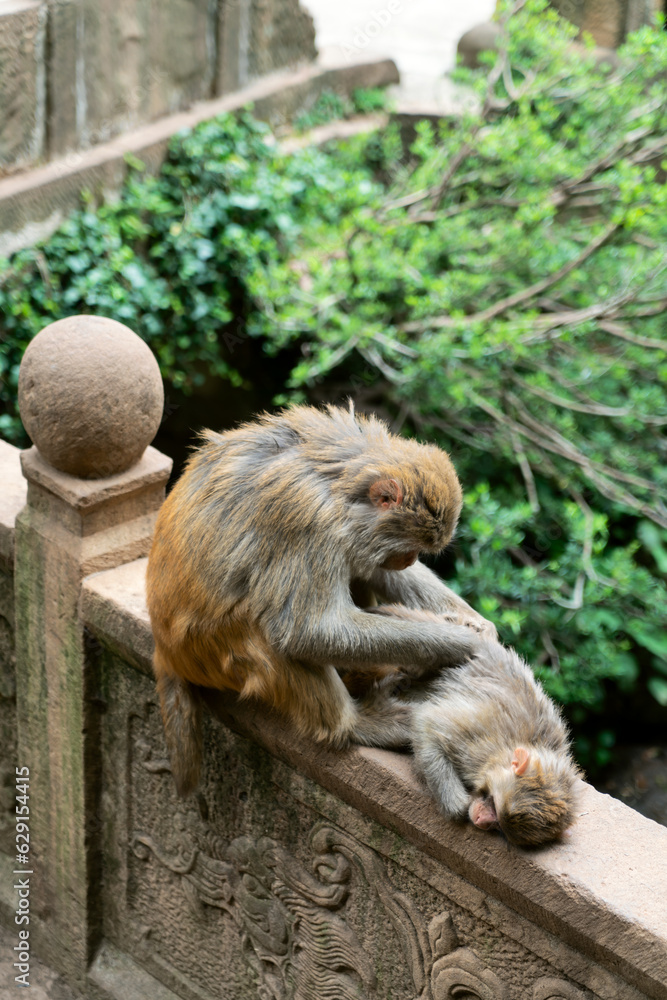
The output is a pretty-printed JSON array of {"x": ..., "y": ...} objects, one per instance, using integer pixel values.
[
  {"x": 417, "y": 513},
  {"x": 482, "y": 812},
  {"x": 535, "y": 806}
]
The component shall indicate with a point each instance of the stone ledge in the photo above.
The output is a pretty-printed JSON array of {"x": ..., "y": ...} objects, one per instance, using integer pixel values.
[
  {"x": 14, "y": 492},
  {"x": 86, "y": 495},
  {"x": 33, "y": 204},
  {"x": 602, "y": 891}
]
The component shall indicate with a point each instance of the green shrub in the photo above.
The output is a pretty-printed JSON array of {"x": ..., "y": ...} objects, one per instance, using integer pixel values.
[
  {"x": 175, "y": 257},
  {"x": 500, "y": 290},
  {"x": 330, "y": 106}
]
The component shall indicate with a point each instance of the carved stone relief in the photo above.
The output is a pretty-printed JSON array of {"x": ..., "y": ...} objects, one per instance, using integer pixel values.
[
  {"x": 244, "y": 891},
  {"x": 556, "y": 989},
  {"x": 294, "y": 930}
]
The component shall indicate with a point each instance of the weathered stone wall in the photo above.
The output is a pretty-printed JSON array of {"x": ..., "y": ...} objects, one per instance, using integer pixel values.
[
  {"x": 280, "y": 889},
  {"x": 73, "y": 73}
]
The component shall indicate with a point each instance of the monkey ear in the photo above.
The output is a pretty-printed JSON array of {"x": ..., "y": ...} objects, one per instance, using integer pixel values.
[
  {"x": 520, "y": 761},
  {"x": 386, "y": 493}
]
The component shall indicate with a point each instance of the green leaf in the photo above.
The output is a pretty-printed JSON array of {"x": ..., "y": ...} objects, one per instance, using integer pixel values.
[
  {"x": 650, "y": 636},
  {"x": 658, "y": 688}
]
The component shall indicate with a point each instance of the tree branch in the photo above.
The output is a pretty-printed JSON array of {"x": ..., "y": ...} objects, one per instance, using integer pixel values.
[{"x": 518, "y": 298}]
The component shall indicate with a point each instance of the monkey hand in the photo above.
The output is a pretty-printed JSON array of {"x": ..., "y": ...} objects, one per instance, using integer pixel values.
[
  {"x": 455, "y": 800},
  {"x": 471, "y": 619}
]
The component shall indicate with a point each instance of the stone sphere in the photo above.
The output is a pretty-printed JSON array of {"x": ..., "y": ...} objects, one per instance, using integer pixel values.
[
  {"x": 482, "y": 37},
  {"x": 90, "y": 396}
]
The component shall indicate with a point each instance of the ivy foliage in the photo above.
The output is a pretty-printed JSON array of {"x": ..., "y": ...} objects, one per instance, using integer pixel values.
[{"x": 500, "y": 288}]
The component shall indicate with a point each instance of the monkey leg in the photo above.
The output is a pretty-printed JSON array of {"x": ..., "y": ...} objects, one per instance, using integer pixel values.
[
  {"x": 315, "y": 700},
  {"x": 181, "y": 715},
  {"x": 383, "y": 721}
]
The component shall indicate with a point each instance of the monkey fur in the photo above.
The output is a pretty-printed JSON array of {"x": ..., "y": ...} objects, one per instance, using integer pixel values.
[
  {"x": 492, "y": 746},
  {"x": 489, "y": 742},
  {"x": 259, "y": 553}
]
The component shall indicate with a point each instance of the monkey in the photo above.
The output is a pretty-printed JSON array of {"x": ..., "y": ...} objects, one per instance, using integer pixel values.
[
  {"x": 490, "y": 744},
  {"x": 258, "y": 553}
]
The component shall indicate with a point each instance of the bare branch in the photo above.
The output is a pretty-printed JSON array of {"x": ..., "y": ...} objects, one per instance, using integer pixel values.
[
  {"x": 526, "y": 471},
  {"x": 595, "y": 409},
  {"x": 607, "y": 488},
  {"x": 587, "y": 552},
  {"x": 568, "y": 450},
  {"x": 524, "y": 295},
  {"x": 586, "y": 404},
  {"x": 616, "y": 330},
  {"x": 374, "y": 358},
  {"x": 395, "y": 345},
  {"x": 551, "y": 650}
]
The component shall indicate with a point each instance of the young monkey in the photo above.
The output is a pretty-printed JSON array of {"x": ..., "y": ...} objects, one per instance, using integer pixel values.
[
  {"x": 492, "y": 746},
  {"x": 262, "y": 548}
]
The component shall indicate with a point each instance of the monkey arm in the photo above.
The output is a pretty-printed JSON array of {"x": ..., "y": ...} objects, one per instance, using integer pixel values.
[
  {"x": 418, "y": 587},
  {"x": 349, "y": 637},
  {"x": 442, "y": 779}
]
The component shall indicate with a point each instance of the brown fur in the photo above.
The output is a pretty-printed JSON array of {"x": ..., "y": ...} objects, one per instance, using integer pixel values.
[
  {"x": 467, "y": 727},
  {"x": 258, "y": 552}
]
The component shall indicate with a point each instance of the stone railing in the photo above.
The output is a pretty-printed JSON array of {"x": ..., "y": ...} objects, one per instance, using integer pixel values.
[{"x": 295, "y": 872}]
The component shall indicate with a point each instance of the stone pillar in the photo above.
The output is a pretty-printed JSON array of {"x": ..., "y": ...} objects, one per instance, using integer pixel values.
[{"x": 91, "y": 399}]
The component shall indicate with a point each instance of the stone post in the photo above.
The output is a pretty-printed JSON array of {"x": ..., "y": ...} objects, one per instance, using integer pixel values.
[{"x": 91, "y": 399}]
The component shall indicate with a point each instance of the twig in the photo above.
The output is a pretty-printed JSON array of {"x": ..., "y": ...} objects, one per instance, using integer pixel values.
[
  {"x": 394, "y": 345},
  {"x": 607, "y": 488},
  {"x": 342, "y": 352},
  {"x": 374, "y": 358},
  {"x": 465, "y": 434},
  {"x": 526, "y": 471},
  {"x": 577, "y": 599},
  {"x": 551, "y": 651},
  {"x": 408, "y": 199},
  {"x": 568, "y": 450},
  {"x": 655, "y": 309},
  {"x": 588, "y": 405},
  {"x": 587, "y": 550},
  {"x": 594, "y": 409},
  {"x": 616, "y": 330}
]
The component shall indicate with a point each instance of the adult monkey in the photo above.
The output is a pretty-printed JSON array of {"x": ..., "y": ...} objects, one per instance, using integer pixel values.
[{"x": 259, "y": 553}]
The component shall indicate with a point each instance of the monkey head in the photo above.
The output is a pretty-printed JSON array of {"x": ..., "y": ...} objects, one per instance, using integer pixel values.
[
  {"x": 412, "y": 502},
  {"x": 531, "y": 801}
]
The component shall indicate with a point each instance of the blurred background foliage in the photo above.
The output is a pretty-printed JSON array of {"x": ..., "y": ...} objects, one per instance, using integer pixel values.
[{"x": 498, "y": 287}]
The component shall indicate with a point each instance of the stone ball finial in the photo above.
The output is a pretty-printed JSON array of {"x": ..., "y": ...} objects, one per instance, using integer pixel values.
[
  {"x": 90, "y": 396},
  {"x": 483, "y": 37}
]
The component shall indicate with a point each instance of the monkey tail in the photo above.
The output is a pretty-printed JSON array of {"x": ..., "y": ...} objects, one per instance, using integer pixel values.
[{"x": 181, "y": 715}]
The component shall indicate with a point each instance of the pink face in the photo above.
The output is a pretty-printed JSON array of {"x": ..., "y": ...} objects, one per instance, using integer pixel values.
[
  {"x": 482, "y": 809},
  {"x": 482, "y": 812}
]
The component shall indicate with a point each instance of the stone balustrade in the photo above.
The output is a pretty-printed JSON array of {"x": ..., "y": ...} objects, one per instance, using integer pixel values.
[{"x": 295, "y": 871}]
